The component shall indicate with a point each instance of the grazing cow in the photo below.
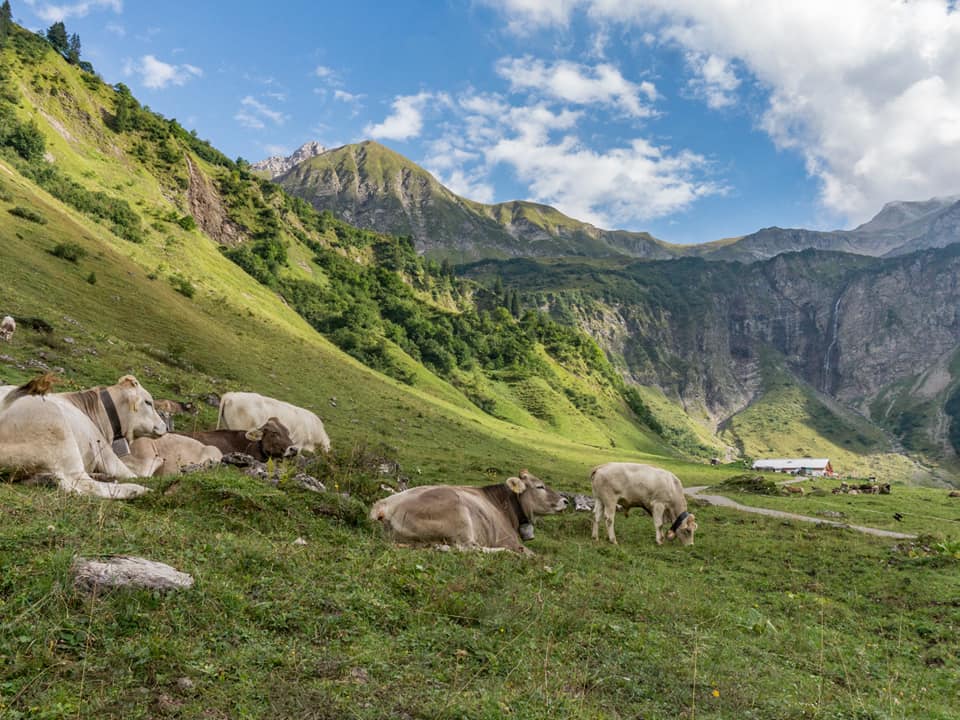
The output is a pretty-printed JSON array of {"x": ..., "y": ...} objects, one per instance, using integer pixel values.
[
  {"x": 169, "y": 454},
  {"x": 793, "y": 489},
  {"x": 657, "y": 491},
  {"x": 70, "y": 435},
  {"x": 270, "y": 440},
  {"x": 488, "y": 518},
  {"x": 7, "y": 327},
  {"x": 247, "y": 411}
]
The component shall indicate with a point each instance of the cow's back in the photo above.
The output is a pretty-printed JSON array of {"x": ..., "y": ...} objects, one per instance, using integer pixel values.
[
  {"x": 637, "y": 484},
  {"x": 248, "y": 411},
  {"x": 441, "y": 513}
]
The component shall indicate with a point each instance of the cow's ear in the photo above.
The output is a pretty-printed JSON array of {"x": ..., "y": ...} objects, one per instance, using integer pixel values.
[
  {"x": 254, "y": 435},
  {"x": 516, "y": 484},
  {"x": 671, "y": 534},
  {"x": 524, "y": 473},
  {"x": 129, "y": 380},
  {"x": 691, "y": 523}
]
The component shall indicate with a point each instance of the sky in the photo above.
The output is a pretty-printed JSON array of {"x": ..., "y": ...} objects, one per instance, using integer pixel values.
[{"x": 693, "y": 120}]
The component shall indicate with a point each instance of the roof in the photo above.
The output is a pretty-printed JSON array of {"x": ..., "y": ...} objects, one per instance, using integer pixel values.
[{"x": 792, "y": 464}]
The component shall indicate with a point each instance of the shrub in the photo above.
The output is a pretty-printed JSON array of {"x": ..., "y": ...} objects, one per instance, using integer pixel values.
[
  {"x": 183, "y": 286},
  {"x": 92, "y": 278},
  {"x": 68, "y": 251},
  {"x": 187, "y": 222},
  {"x": 28, "y": 214}
]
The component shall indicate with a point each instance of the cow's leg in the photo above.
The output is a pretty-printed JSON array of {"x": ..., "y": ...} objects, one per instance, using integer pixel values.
[
  {"x": 83, "y": 484},
  {"x": 597, "y": 512},
  {"x": 657, "y": 512},
  {"x": 609, "y": 515}
]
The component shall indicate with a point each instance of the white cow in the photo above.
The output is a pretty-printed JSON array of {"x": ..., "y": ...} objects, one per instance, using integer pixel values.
[
  {"x": 7, "y": 327},
  {"x": 656, "y": 490},
  {"x": 69, "y": 435},
  {"x": 168, "y": 455},
  {"x": 249, "y": 411}
]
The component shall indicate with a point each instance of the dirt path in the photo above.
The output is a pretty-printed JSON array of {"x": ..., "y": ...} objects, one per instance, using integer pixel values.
[{"x": 722, "y": 501}]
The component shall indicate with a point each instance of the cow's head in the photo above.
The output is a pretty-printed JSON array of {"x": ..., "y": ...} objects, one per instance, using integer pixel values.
[
  {"x": 685, "y": 531},
  {"x": 535, "y": 497},
  {"x": 275, "y": 439},
  {"x": 135, "y": 407}
]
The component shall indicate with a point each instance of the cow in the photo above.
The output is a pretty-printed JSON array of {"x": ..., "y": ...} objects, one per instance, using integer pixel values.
[
  {"x": 70, "y": 435},
  {"x": 656, "y": 490},
  {"x": 169, "y": 408},
  {"x": 7, "y": 327},
  {"x": 492, "y": 518},
  {"x": 247, "y": 411},
  {"x": 168, "y": 455},
  {"x": 270, "y": 440}
]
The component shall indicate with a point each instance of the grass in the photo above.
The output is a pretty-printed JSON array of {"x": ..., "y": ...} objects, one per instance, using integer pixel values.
[{"x": 749, "y": 622}]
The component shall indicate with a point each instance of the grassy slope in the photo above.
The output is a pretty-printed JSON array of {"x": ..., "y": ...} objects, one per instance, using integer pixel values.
[
  {"x": 792, "y": 420},
  {"x": 349, "y": 626}
]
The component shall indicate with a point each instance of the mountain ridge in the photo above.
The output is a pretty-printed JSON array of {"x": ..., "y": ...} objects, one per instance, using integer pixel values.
[{"x": 372, "y": 186}]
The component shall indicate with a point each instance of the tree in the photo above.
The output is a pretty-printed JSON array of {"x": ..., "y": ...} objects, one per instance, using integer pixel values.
[
  {"x": 6, "y": 20},
  {"x": 73, "y": 50},
  {"x": 124, "y": 110},
  {"x": 57, "y": 36},
  {"x": 515, "y": 303}
]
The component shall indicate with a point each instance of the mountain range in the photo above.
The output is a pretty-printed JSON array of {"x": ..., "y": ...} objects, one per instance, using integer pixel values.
[{"x": 371, "y": 186}]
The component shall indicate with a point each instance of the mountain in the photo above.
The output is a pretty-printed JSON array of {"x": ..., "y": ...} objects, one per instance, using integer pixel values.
[
  {"x": 899, "y": 228},
  {"x": 373, "y": 187},
  {"x": 277, "y": 164}
]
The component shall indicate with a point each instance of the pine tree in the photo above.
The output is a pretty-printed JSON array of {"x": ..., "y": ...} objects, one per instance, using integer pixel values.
[
  {"x": 73, "y": 50},
  {"x": 515, "y": 304},
  {"x": 57, "y": 36},
  {"x": 6, "y": 20}
]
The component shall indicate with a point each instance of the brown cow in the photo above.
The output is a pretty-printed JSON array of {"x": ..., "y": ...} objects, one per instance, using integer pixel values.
[
  {"x": 494, "y": 517},
  {"x": 657, "y": 491},
  {"x": 168, "y": 455},
  {"x": 271, "y": 440}
]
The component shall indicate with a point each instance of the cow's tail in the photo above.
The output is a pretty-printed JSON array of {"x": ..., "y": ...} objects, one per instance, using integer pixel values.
[
  {"x": 220, "y": 414},
  {"x": 39, "y": 385}
]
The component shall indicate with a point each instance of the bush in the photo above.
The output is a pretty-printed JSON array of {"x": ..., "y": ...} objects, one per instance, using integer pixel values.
[
  {"x": 754, "y": 484},
  {"x": 183, "y": 286},
  {"x": 68, "y": 251},
  {"x": 28, "y": 214},
  {"x": 92, "y": 278},
  {"x": 187, "y": 222}
]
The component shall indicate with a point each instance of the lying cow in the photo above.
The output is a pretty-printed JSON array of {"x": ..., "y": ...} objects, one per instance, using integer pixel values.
[
  {"x": 494, "y": 517},
  {"x": 169, "y": 408},
  {"x": 169, "y": 454},
  {"x": 247, "y": 410},
  {"x": 657, "y": 491},
  {"x": 70, "y": 435},
  {"x": 270, "y": 440},
  {"x": 7, "y": 327}
]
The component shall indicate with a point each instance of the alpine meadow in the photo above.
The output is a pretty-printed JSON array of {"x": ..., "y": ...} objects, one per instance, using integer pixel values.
[{"x": 451, "y": 342}]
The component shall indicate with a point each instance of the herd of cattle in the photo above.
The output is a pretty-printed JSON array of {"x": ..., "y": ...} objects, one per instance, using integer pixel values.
[{"x": 117, "y": 431}]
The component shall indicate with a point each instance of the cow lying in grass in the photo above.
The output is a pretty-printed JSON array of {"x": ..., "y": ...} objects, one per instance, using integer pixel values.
[
  {"x": 490, "y": 518},
  {"x": 70, "y": 435},
  {"x": 657, "y": 491}
]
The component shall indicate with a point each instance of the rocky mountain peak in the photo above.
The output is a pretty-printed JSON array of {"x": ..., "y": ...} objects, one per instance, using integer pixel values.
[{"x": 278, "y": 165}]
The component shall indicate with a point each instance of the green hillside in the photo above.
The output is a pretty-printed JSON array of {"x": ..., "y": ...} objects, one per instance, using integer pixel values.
[{"x": 129, "y": 245}]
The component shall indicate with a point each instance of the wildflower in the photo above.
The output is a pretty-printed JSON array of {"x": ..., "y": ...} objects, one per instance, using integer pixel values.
[{"x": 716, "y": 693}]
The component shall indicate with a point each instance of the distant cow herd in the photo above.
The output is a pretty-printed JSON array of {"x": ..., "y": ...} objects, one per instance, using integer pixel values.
[{"x": 118, "y": 431}]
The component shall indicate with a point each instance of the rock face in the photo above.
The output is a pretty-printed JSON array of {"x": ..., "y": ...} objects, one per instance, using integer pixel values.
[
  {"x": 876, "y": 336},
  {"x": 207, "y": 209},
  {"x": 278, "y": 165},
  {"x": 125, "y": 571}
]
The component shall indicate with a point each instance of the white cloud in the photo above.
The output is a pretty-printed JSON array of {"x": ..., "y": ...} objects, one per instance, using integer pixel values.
[
  {"x": 51, "y": 13},
  {"x": 868, "y": 91},
  {"x": 322, "y": 71},
  {"x": 254, "y": 114},
  {"x": 405, "y": 122},
  {"x": 116, "y": 29},
  {"x": 157, "y": 74},
  {"x": 541, "y": 145},
  {"x": 580, "y": 84},
  {"x": 715, "y": 79}
]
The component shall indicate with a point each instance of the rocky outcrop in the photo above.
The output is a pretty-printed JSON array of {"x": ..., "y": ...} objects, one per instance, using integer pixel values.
[
  {"x": 277, "y": 164},
  {"x": 207, "y": 209}
]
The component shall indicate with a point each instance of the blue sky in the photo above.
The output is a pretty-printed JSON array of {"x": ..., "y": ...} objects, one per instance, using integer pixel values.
[{"x": 691, "y": 119}]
